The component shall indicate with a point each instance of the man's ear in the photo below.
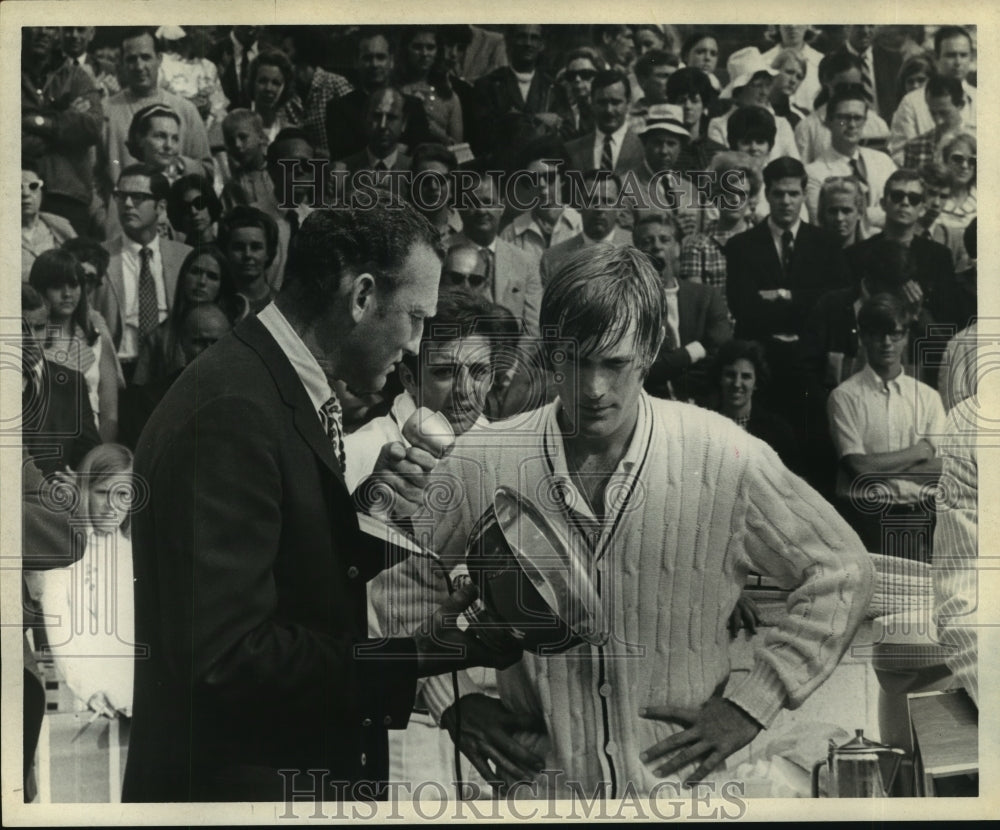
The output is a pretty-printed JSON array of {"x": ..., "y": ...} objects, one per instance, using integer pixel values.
[
  {"x": 409, "y": 381},
  {"x": 363, "y": 300}
]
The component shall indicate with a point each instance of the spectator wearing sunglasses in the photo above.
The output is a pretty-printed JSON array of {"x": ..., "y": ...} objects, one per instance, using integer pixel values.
[
  {"x": 464, "y": 269},
  {"x": 573, "y": 93},
  {"x": 885, "y": 426},
  {"x": 40, "y": 231},
  {"x": 846, "y": 113},
  {"x": 194, "y": 209},
  {"x": 932, "y": 284},
  {"x": 958, "y": 153},
  {"x": 143, "y": 269}
]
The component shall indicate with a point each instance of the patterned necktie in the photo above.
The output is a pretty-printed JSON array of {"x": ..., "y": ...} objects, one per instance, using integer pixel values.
[
  {"x": 786, "y": 250},
  {"x": 149, "y": 308},
  {"x": 332, "y": 418},
  {"x": 866, "y": 78},
  {"x": 858, "y": 169},
  {"x": 607, "y": 158}
]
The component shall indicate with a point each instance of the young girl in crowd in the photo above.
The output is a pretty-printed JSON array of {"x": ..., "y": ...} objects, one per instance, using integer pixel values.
[
  {"x": 89, "y": 606},
  {"x": 77, "y": 338}
]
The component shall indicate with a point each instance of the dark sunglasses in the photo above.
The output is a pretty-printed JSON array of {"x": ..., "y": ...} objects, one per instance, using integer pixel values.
[
  {"x": 958, "y": 158},
  {"x": 197, "y": 203},
  {"x": 580, "y": 74},
  {"x": 897, "y": 197},
  {"x": 458, "y": 278},
  {"x": 32, "y": 186}
]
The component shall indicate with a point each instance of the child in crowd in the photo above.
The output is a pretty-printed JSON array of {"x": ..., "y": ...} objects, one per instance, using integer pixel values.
[{"x": 89, "y": 606}]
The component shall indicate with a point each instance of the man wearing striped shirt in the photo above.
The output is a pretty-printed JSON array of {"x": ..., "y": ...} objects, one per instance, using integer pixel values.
[{"x": 675, "y": 505}]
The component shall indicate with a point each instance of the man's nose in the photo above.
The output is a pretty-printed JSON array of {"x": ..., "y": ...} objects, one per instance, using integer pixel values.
[{"x": 593, "y": 384}]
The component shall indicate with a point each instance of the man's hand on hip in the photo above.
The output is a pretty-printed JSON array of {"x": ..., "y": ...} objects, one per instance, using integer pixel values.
[{"x": 714, "y": 732}]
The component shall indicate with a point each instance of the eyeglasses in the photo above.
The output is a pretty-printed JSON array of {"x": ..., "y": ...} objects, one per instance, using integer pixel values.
[
  {"x": 897, "y": 197},
  {"x": 197, "y": 203},
  {"x": 580, "y": 74},
  {"x": 844, "y": 120},
  {"x": 32, "y": 186},
  {"x": 959, "y": 159},
  {"x": 136, "y": 197},
  {"x": 458, "y": 278}
]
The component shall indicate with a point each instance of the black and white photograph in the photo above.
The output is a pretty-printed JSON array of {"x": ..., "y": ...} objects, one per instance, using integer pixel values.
[{"x": 482, "y": 414}]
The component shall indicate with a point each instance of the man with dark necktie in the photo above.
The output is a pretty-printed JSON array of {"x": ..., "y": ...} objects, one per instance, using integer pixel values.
[
  {"x": 845, "y": 116},
  {"x": 384, "y": 122}
]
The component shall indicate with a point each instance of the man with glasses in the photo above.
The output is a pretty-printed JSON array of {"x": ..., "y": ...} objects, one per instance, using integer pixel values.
[
  {"x": 143, "y": 267},
  {"x": 929, "y": 279},
  {"x": 512, "y": 275},
  {"x": 846, "y": 113},
  {"x": 885, "y": 426}
]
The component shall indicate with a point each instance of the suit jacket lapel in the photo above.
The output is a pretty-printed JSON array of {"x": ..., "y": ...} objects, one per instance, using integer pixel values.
[
  {"x": 172, "y": 259},
  {"x": 503, "y": 266},
  {"x": 252, "y": 332},
  {"x": 769, "y": 251},
  {"x": 687, "y": 312}
]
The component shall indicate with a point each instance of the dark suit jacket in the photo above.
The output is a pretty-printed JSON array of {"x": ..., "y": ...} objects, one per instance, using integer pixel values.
[
  {"x": 345, "y": 125},
  {"x": 497, "y": 94},
  {"x": 581, "y": 153},
  {"x": 359, "y": 161},
  {"x": 886, "y": 69},
  {"x": 222, "y": 56},
  {"x": 933, "y": 269},
  {"x": 752, "y": 265},
  {"x": 250, "y": 593},
  {"x": 58, "y": 424},
  {"x": 703, "y": 317}
]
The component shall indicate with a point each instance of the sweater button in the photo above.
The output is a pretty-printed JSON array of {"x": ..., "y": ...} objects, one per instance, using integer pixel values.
[
  {"x": 605, "y": 690},
  {"x": 366, "y": 722},
  {"x": 364, "y": 759},
  {"x": 611, "y": 748},
  {"x": 387, "y": 720},
  {"x": 352, "y": 572}
]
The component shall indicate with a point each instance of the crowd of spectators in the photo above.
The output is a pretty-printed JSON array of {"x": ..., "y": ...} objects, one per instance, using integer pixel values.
[{"x": 807, "y": 195}]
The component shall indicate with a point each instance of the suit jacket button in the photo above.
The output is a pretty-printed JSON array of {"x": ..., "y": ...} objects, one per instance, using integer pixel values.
[
  {"x": 364, "y": 759},
  {"x": 366, "y": 722},
  {"x": 387, "y": 720},
  {"x": 352, "y": 572}
]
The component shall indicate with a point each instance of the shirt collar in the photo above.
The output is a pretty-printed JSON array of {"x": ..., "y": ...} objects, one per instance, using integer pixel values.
[
  {"x": 133, "y": 247},
  {"x": 873, "y": 379},
  {"x": 523, "y": 77},
  {"x": 616, "y": 137},
  {"x": 313, "y": 379},
  {"x": 555, "y": 448},
  {"x": 388, "y": 161},
  {"x": 776, "y": 232}
]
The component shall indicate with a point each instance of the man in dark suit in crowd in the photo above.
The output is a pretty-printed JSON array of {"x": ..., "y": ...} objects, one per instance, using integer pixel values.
[
  {"x": 233, "y": 56},
  {"x": 612, "y": 146},
  {"x": 57, "y": 428},
  {"x": 384, "y": 123},
  {"x": 345, "y": 132},
  {"x": 776, "y": 272},
  {"x": 880, "y": 72},
  {"x": 250, "y": 566},
  {"x": 520, "y": 87},
  {"x": 697, "y": 320}
]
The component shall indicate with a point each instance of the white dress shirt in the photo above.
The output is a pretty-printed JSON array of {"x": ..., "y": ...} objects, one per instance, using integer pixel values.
[
  {"x": 131, "y": 267},
  {"x": 617, "y": 137}
]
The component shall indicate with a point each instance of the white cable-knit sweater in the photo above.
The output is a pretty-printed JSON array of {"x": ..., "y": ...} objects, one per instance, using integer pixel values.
[{"x": 695, "y": 504}]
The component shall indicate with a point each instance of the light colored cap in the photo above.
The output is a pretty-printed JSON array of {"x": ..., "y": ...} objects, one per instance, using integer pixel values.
[
  {"x": 742, "y": 66},
  {"x": 666, "y": 117}
]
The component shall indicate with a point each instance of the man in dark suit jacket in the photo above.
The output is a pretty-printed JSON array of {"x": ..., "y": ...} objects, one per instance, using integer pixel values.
[
  {"x": 610, "y": 95},
  {"x": 777, "y": 271},
  {"x": 345, "y": 132},
  {"x": 881, "y": 65},
  {"x": 57, "y": 422},
  {"x": 233, "y": 68},
  {"x": 503, "y": 90},
  {"x": 250, "y": 566},
  {"x": 384, "y": 123},
  {"x": 697, "y": 321}
]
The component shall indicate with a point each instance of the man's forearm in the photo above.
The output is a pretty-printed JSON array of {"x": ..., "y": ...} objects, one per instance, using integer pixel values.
[{"x": 898, "y": 461}]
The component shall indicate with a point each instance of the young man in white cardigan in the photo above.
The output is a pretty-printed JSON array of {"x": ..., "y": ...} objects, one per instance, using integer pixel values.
[{"x": 678, "y": 504}]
